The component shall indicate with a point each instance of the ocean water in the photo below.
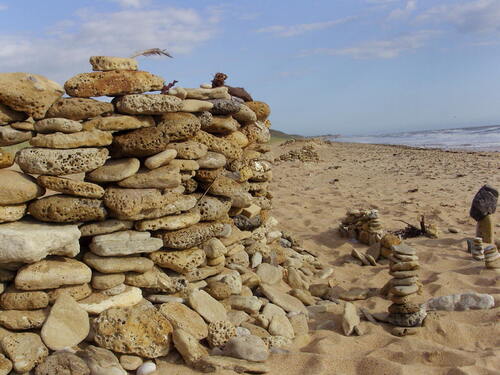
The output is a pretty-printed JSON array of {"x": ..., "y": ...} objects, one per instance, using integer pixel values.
[{"x": 481, "y": 138}]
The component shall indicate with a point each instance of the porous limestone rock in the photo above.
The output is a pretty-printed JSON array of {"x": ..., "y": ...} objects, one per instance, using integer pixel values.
[
  {"x": 29, "y": 93},
  {"x": 192, "y": 236},
  {"x": 245, "y": 115},
  {"x": 182, "y": 317},
  {"x": 18, "y": 188},
  {"x": 25, "y": 350},
  {"x": 52, "y": 273},
  {"x": 140, "y": 142},
  {"x": 67, "y": 209},
  {"x": 71, "y": 187},
  {"x": 171, "y": 222},
  {"x": 182, "y": 261},
  {"x": 6, "y": 159},
  {"x": 22, "y": 319},
  {"x": 148, "y": 104},
  {"x": 62, "y": 363},
  {"x": 112, "y": 83},
  {"x": 53, "y": 125},
  {"x": 261, "y": 109},
  {"x": 77, "y": 292},
  {"x": 60, "y": 162},
  {"x": 101, "y": 361},
  {"x": 220, "y": 332},
  {"x": 119, "y": 123},
  {"x": 67, "y": 324},
  {"x": 8, "y": 115},
  {"x": 139, "y": 330},
  {"x": 91, "y": 138},
  {"x": 225, "y": 107},
  {"x": 189, "y": 149},
  {"x": 105, "y": 63},
  {"x": 13, "y": 299},
  {"x": 78, "y": 108},
  {"x": 104, "y": 227},
  {"x": 130, "y": 362},
  {"x": 124, "y": 243},
  {"x": 212, "y": 160},
  {"x": 28, "y": 241},
  {"x": 188, "y": 346},
  {"x": 219, "y": 145},
  {"x": 156, "y": 280},
  {"x": 222, "y": 125},
  {"x": 179, "y": 126}
]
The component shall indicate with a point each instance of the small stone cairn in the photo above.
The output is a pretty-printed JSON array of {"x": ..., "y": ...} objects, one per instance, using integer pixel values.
[
  {"x": 492, "y": 257},
  {"x": 362, "y": 225},
  {"x": 146, "y": 222},
  {"x": 482, "y": 209},
  {"x": 404, "y": 267}
]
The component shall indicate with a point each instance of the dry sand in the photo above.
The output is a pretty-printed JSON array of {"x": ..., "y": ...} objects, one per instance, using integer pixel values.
[{"x": 309, "y": 203}]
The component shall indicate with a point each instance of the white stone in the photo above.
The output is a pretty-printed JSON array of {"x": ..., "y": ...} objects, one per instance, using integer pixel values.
[{"x": 461, "y": 302}]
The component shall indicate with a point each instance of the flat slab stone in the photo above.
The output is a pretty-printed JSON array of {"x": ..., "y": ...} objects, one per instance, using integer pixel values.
[
  {"x": 148, "y": 104},
  {"x": 60, "y": 162},
  {"x": 96, "y": 303},
  {"x": 8, "y": 115},
  {"x": 67, "y": 324},
  {"x": 28, "y": 241},
  {"x": 112, "y": 83},
  {"x": 22, "y": 319},
  {"x": 208, "y": 307},
  {"x": 10, "y": 136},
  {"x": 52, "y": 274},
  {"x": 78, "y": 108},
  {"x": 104, "y": 227},
  {"x": 115, "y": 170},
  {"x": 71, "y": 187},
  {"x": 67, "y": 209},
  {"x": 12, "y": 213},
  {"x": 124, "y": 243},
  {"x": 171, "y": 222},
  {"x": 29, "y": 93},
  {"x": 165, "y": 177},
  {"x": 52, "y": 125},
  {"x": 191, "y": 236},
  {"x": 283, "y": 300},
  {"x": 119, "y": 122},
  {"x": 182, "y": 317},
  {"x": 91, "y": 138},
  {"x": 18, "y": 188},
  {"x": 25, "y": 350},
  {"x": 105, "y": 63},
  {"x": 117, "y": 264}
]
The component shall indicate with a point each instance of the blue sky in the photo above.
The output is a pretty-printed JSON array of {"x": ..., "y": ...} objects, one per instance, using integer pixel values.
[{"x": 325, "y": 66}]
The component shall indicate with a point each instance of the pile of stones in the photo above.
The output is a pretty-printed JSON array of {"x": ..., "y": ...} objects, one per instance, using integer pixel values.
[
  {"x": 307, "y": 153},
  {"x": 362, "y": 225},
  {"x": 140, "y": 225},
  {"x": 491, "y": 257},
  {"x": 404, "y": 267}
]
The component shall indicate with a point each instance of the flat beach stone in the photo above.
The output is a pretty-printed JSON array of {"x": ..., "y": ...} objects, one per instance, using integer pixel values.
[
  {"x": 14, "y": 299},
  {"x": 140, "y": 330},
  {"x": 219, "y": 145},
  {"x": 106, "y": 281},
  {"x": 202, "y": 93},
  {"x": 124, "y": 243},
  {"x": 52, "y": 273},
  {"x": 461, "y": 302},
  {"x": 28, "y": 125},
  {"x": 171, "y": 222},
  {"x": 188, "y": 346},
  {"x": 180, "y": 261},
  {"x": 60, "y": 162},
  {"x": 29, "y": 93},
  {"x": 112, "y": 83},
  {"x": 104, "y": 227},
  {"x": 130, "y": 362},
  {"x": 92, "y": 138},
  {"x": 78, "y": 108},
  {"x": 25, "y": 350},
  {"x": 283, "y": 300},
  {"x": 249, "y": 347},
  {"x": 189, "y": 149},
  {"x": 404, "y": 290},
  {"x": 6, "y": 159},
  {"x": 117, "y": 264},
  {"x": 12, "y": 213},
  {"x": 10, "y": 136},
  {"x": 52, "y": 125},
  {"x": 18, "y": 188},
  {"x": 245, "y": 115},
  {"x": 403, "y": 249},
  {"x": 104, "y": 63},
  {"x": 28, "y": 241},
  {"x": 212, "y": 160},
  {"x": 208, "y": 307},
  {"x": 77, "y": 292},
  {"x": 148, "y": 104},
  {"x": 101, "y": 361},
  {"x": 222, "y": 125},
  {"x": 165, "y": 177},
  {"x": 195, "y": 105},
  {"x": 71, "y": 187},
  {"x": 225, "y": 106},
  {"x": 182, "y": 317},
  {"x": 160, "y": 159},
  {"x": 119, "y": 122},
  {"x": 8, "y": 115},
  {"x": 156, "y": 280},
  {"x": 115, "y": 170},
  {"x": 213, "y": 208},
  {"x": 140, "y": 142},
  {"x": 96, "y": 303},
  {"x": 67, "y": 209},
  {"x": 62, "y": 363},
  {"x": 67, "y": 324}
]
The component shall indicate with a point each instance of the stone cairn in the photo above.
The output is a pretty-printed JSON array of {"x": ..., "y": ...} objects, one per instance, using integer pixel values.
[
  {"x": 158, "y": 235},
  {"x": 404, "y": 267},
  {"x": 362, "y": 225},
  {"x": 482, "y": 209}
]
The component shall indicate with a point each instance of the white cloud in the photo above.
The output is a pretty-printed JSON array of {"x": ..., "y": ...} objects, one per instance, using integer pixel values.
[
  {"x": 132, "y": 3},
  {"x": 64, "y": 49},
  {"x": 379, "y": 49},
  {"x": 294, "y": 30},
  {"x": 411, "y": 6},
  {"x": 469, "y": 16}
]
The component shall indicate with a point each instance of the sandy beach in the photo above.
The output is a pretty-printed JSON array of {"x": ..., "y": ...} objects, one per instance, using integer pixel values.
[{"x": 310, "y": 199}]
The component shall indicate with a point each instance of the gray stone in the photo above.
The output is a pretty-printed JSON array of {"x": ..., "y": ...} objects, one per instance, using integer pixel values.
[
  {"x": 250, "y": 348},
  {"x": 124, "y": 243},
  {"x": 484, "y": 202},
  {"x": 461, "y": 302}
]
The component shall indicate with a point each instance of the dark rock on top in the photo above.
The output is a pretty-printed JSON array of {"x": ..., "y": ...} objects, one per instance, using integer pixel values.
[
  {"x": 224, "y": 107},
  {"x": 484, "y": 202}
]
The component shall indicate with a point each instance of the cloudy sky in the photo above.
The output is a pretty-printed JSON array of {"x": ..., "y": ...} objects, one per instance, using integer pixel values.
[{"x": 325, "y": 66}]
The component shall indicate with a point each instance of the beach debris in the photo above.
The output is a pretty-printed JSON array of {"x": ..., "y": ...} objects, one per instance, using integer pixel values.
[
  {"x": 307, "y": 153},
  {"x": 461, "y": 302},
  {"x": 482, "y": 209},
  {"x": 364, "y": 226},
  {"x": 404, "y": 267},
  {"x": 152, "y": 52},
  {"x": 411, "y": 231}
]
